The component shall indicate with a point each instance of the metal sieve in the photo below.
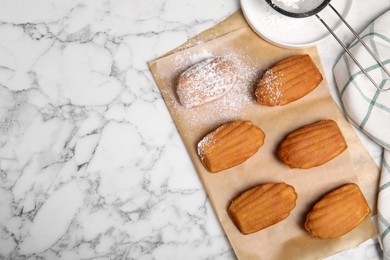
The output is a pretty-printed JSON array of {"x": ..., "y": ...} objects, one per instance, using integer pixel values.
[{"x": 306, "y": 8}]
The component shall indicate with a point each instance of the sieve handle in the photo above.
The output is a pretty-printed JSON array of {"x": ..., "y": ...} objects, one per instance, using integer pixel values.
[
  {"x": 360, "y": 40},
  {"x": 351, "y": 55}
]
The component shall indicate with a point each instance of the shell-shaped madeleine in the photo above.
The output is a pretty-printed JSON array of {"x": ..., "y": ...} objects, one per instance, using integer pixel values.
[
  {"x": 262, "y": 206},
  {"x": 229, "y": 145},
  {"x": 337, "y": 213},
  {"x": 287, "y": 81},
  {"x": 206, "y": 81},
  {"x": 312, "y": 145}
]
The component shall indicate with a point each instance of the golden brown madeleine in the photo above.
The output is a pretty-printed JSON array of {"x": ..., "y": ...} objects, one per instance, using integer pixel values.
[
  {"x": 337, "y": 213},
  {"x": 262, "y": 206},
  {"x": 229, "y": 145},
  {"x": 287, "y": 81},
  {"x": 312, "y": 145},
  {"x": 206, "y": 81}
]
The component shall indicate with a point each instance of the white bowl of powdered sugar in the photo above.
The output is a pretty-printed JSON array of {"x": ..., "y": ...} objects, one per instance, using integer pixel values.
[{"x": 291, "y": 32}]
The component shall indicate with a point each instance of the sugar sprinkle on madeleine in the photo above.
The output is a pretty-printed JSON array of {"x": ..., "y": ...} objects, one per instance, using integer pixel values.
[
  {"x": 229, "y": 145},
  {"x": 206, "y": 81},
  {"x": 288, "y": 81}
]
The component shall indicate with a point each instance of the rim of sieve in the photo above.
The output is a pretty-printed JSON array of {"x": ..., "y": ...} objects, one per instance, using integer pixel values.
[{"x": 298, "y": 15}]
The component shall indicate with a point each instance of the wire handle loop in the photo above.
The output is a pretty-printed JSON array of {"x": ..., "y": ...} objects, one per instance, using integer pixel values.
[
  {"x": 364, "y": 45},
  {"x": 315, "y": 12}
]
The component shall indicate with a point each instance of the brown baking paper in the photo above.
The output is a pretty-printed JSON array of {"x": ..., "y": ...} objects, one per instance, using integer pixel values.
[{"x": 287, "y": 239}]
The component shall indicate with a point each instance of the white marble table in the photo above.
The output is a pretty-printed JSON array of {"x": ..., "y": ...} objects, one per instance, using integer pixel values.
[{"x": 91, "y": 164}]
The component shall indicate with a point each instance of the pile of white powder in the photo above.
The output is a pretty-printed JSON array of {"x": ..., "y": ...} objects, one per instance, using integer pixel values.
[
  {"x": 298, "y": 6},
  {"x": 284, "y": 29},
  {"x": 294, "y": 4}
]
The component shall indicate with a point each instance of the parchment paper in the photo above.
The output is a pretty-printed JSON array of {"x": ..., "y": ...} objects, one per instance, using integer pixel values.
[{"x": 233, "y": 38}]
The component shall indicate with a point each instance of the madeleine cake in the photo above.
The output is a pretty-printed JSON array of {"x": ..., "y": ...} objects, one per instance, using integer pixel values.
[
  {"x": 229, "y": 145},
  {"x": 206, "y": 81},
  {"x": 312, "y": 145},
  {"x": 288, "y": 81},
  {"x": 337, "y": 213},
  {"x": 262, "y": 206}
]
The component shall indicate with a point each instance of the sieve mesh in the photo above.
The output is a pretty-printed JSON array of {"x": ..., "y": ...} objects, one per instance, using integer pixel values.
[{"x": 298, "y": 6}]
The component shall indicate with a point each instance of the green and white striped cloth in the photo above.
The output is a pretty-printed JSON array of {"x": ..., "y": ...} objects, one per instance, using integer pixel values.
[{"x": 369, "y": 108}]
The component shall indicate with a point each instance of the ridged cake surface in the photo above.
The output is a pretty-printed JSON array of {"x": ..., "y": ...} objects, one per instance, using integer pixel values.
[
  {"x": 337, "y": 213},
  {"x": 262, "y": 206},
  {"x": 312, "y": 145},
  {"x": 288, "y": 81},
  {"x": 229, "y": 145}
]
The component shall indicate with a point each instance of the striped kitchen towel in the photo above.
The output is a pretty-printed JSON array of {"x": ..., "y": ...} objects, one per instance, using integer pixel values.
[{"x": 368, "y": 108}]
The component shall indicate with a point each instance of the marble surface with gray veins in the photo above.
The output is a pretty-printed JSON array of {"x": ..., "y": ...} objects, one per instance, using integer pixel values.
[{"x": 91, "y": 164}]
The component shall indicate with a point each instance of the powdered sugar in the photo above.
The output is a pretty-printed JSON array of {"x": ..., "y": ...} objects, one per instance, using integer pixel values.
[
  {"x": 287, "y": 3},
  {"x": 288, "y": 31},
  {"x": 278, "y": 26},
  {"x": 184, "y": 61},
  {"x": 270, "y": 90},
  {"x": 298, "y": 6},
  {"x": 208, "y": 140},
  {"x": 206, "y": 81},
  {"x": 225, "y": 108}
]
